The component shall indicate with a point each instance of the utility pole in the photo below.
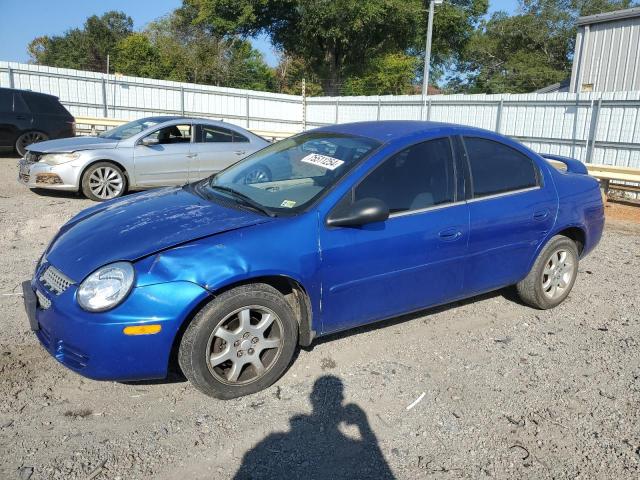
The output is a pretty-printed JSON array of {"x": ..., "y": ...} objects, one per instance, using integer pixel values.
[
  {"x": 304, "y": 105},
  {"x": 427, "y": 53}
]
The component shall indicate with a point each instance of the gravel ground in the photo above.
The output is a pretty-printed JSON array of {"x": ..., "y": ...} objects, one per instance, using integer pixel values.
[{"x": 504, "y": 390}]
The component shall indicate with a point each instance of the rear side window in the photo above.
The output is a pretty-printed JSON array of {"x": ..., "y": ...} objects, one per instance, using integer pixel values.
[
  {"x": 44, "y": 104},
  {"x": 497, "y": 168},
  {"x": 215, "y": 135},
  {"x": 6, "y": 101},
  {"x": 237, "y": 138},
  {"x": 418, "y": 177}
]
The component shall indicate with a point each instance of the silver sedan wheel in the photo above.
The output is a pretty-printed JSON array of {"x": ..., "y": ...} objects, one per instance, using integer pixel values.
[
  {"x": 245, "y": 345},
  {"x": 106, "y": 182},
  {"x": 558, "y": 273},
  {"x": 256, "y": 176}
]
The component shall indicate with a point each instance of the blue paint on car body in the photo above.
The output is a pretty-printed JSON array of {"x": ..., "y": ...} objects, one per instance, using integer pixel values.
[{"x": 185, "y": 247}]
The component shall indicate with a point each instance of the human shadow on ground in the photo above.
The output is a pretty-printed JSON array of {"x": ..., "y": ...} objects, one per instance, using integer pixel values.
[{"x": 315, "y": 447}]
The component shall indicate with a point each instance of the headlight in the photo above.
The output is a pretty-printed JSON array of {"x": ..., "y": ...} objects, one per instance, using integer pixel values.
[
  {"x": 58, "y": 158},
  {"x": 106, "y": 287}
]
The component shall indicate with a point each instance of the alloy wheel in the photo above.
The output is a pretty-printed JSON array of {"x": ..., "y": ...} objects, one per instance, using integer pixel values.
[
  {"x": 106, "y": 182},
  {"x": 256, "y": 176},
  {"x": 27, "y": 139},
  {"x": 244, "y": 345},
  {"x": 558, "y": 273}
]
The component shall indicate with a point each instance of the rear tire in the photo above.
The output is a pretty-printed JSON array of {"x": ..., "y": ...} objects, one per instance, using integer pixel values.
[
  {"x": 241, "y": 342},
  {"x": 103, "y": 181},
  {"x": 26, "y": 139},
  {"x": 552, "y": 276}
]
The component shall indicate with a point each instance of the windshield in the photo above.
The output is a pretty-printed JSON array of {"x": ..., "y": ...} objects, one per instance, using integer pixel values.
[
  {"x": 130, "y": 129},
  {"x": 290, "y": 174}
]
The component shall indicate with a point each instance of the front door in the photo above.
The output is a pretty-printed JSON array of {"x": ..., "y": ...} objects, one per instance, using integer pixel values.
[
  {"x": 168, "y": 161},
  {"x": 510, "y": 214},
  {"x": 412, "y": 260}
]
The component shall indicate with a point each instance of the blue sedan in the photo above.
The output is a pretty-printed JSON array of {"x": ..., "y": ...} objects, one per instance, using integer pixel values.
[{"x": 353, "y": 224}]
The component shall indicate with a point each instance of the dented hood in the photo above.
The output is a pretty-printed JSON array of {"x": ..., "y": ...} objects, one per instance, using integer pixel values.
[{"x": 140, "y": 225}]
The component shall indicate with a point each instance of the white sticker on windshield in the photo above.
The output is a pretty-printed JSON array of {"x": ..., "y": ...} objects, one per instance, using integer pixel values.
[
  {"x": 288, "y": 203},
  {"x": 323, "y": 161}
]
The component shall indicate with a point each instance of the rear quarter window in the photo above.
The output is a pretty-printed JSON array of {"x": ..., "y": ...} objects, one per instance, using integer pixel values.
[
  {"x": 6, "y": 101},
  {"x": 497, "y": 168},
  {"x": 44, "y": 104}
]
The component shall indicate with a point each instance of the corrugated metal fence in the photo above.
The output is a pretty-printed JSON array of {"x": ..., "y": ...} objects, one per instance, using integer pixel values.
[{"x": 599, "y": 128}]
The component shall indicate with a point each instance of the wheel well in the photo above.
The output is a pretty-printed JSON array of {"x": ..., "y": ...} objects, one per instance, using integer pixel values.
[
  {"x": 117, "y": 164},
  {"x": 296, "y": 296},
  {"x": 577, "y": 235},
  {"x": 292, "y": 291}
]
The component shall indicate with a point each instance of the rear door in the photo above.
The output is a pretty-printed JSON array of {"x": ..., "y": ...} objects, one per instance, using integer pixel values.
[
  {"x": 412, "y": 260},
  {"x": 216, "y": 148},
  {"x": 168, "y": 162},
  {"x": 511, "y": 209}
]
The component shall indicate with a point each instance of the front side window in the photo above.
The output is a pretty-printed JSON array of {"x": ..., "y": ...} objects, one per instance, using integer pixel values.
[
  {"x": 498, "y": 168},
  {"x": 418, "y": 177},
  {"x": 288, "y": 175},
  {"x": 173, "y": 134}
]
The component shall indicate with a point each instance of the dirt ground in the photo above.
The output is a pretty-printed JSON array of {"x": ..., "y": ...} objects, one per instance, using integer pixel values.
[{"x": 496, "y": 389}]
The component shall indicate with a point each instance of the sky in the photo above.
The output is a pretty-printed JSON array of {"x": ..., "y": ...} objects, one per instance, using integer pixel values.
[{"x": 23, "y": 20}]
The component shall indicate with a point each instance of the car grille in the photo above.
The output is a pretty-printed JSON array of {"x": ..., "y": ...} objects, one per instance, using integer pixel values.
[
  {"x": 43, "y": 302},
  {"x": 55, "y": 281},
  {"x": 33, "y": 157}
]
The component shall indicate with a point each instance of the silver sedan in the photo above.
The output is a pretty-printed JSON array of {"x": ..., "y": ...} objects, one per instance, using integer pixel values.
[{"x": 145, "y": 153}]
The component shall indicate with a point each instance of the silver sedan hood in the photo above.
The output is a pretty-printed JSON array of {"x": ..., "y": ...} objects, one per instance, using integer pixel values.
[{"x": 72, "y": 144}]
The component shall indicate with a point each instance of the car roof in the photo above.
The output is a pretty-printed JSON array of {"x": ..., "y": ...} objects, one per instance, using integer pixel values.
[
  {"x": 389, "y": 130},
  {"x": 30, "y": 92}
]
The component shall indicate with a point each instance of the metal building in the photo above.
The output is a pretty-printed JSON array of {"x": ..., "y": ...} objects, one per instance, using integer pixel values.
[{"x": 607, "y": 52}]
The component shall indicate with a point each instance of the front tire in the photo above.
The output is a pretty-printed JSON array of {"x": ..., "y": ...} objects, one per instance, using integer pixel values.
[
  {"x": 552, "y": 276},
  {"x": 103, "y": 181},
  {"x": 241, "y": 342}
]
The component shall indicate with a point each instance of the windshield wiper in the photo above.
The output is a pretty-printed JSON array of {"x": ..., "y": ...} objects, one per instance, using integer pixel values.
[{"x": 247, "y": 200}]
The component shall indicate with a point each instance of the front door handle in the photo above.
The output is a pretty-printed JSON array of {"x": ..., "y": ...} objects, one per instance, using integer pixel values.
[
  {"x": 541, "y": 214},
  {"x": 450, "y": 234},
  {"x": 192, "y": 155}
]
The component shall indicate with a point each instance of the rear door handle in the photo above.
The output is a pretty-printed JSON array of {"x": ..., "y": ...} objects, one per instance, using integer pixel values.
[
  {"x": 450, "y": 234},
  {"x": 541, "y": 214},
  {"x": 240, "y": 152}
]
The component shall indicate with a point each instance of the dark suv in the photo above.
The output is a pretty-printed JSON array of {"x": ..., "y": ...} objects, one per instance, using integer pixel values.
[{"x": 29, "y": 117}]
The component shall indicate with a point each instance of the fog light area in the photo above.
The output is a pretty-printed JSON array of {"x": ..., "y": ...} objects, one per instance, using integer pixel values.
[{"x": 49, "y": 178}]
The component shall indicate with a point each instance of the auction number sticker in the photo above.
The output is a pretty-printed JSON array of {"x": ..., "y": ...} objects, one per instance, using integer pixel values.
[
  {"x": 288, "y": 204},
  {"x": 323, "y": 161}
]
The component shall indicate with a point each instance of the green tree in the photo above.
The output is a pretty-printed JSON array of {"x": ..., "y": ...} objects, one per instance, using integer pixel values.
[
  {"x": 137, "y": 56},
  {"x": 391, "y": 74},
  {"x": 338, "y": 39},
  {"x": 86, "y": 48},
  {"x": 526, "y": 51},
  {"x": 192, "y": 52}
]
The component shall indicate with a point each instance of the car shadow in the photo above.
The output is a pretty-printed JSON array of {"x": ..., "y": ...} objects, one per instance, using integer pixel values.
[
  {"x": 334, "y": 441},
  {"x": 43, "y": 192}
]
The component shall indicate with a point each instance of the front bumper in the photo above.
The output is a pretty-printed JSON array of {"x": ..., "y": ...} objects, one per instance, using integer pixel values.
[
  {"x": 28, "y": 175},
  {"x": 94, "y": 345}
]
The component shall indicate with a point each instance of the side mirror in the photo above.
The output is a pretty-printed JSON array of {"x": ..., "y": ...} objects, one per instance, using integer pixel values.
[
  {"x": 150, "y": 141},
  {"x": 362, "y": 212}
]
